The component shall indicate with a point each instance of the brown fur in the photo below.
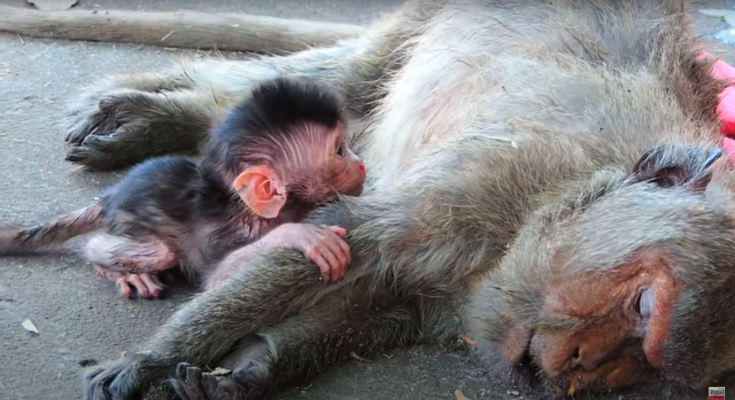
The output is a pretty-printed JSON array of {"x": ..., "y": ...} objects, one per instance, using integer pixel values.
[{"x": 503, "y": 144}]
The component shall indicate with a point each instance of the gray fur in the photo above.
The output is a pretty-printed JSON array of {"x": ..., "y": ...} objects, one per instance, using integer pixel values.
[{"x": 486, "y": 128}]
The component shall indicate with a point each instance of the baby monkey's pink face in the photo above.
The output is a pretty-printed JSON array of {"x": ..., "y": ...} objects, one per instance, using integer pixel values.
[
  {"x": 322, "y": 165},
  {"x": 314, "y": 167},
  {"x": 346, "y": 172}
]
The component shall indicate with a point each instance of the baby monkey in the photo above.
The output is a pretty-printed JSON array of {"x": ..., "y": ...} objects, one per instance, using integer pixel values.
[{"x": 274, "y": 158}]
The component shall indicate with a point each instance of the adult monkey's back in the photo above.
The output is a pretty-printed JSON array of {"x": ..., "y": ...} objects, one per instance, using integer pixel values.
[{"x": 547, "y": 178}]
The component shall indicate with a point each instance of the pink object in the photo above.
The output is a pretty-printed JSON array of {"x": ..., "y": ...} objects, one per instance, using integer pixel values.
[
  {"x": 726, "y": 110},
  {"x": 723, "y": 70},
  {"x": 728, "y": 143},
  {"x": 726, "y": 107}
]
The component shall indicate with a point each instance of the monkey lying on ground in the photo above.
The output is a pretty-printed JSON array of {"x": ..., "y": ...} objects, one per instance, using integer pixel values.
[
  {"x": 545, "y": 177},
  {"x": 274, "y": 159}
]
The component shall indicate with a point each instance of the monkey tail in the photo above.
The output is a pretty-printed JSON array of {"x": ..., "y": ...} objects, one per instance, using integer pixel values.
[{"x": 15, "y": 240}]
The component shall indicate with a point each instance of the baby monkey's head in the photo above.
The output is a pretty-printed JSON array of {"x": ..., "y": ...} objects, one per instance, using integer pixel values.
[{"x": 288, "y": 140}]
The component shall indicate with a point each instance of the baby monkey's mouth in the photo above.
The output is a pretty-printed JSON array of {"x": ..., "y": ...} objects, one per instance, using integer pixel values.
[{"x": 355, "y": 191}]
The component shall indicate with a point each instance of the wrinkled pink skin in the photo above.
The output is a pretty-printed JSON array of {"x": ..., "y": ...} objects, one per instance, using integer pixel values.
[{"x": 321, "y": 244}]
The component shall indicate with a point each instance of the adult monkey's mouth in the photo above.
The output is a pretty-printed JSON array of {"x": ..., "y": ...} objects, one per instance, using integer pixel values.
[
  {"x": 526, "y": 359},
  {"x": 527, "y": 368},
  {"x": 520, "y": 357}
]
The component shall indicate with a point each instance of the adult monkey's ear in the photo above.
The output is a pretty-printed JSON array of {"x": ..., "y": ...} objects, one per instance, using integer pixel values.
[
  {"x": 677, "y": 165},
  {"x": 262, "y": 189}
]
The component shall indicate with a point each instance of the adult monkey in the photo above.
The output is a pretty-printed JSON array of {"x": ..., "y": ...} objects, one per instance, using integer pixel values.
[{"x": 546, "y": 176}]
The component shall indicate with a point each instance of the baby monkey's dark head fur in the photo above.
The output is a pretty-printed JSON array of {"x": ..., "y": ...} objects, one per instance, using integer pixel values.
[{"x": 286, "y": 142}]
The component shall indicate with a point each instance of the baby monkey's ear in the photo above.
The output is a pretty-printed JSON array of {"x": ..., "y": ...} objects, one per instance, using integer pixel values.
[
  {"x": 262, "y": 189},
  {"x": 677, "y": 165}
]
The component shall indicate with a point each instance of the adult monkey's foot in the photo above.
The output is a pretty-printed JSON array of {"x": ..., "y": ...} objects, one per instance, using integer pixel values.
[
  {"x": 121, "y": 378},
  {"x": 124, "y": 119},
  {"x": 248, "y": 375},
  {"x": 191, "y": 383}
]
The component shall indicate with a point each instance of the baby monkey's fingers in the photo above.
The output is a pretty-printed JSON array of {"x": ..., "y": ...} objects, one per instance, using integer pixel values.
[
  {"x": 338, "y": 230},
  {"x": 323, "y": 264},
  {"x": 340, "y": 250},
  {"x": 139, "y": 285},
  {"x": 321, "y": 254},
  {"x": 145, "y": 286},
  {"x": 125, "y": 288},
  {"x": 344, "y": 247},
  {"x": 319, "y": 248},
  {"x": 153, "y": 285},
  {"x": 320, "y": 243}
]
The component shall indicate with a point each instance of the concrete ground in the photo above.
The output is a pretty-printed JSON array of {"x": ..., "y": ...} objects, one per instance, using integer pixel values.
[{"x": 79, "y": 316}]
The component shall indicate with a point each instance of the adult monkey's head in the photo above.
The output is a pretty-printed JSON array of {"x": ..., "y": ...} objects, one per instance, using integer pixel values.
[{"x": 623, "y": 277}]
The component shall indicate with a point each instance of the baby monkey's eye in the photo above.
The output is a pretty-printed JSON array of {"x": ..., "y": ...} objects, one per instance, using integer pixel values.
[{"x": 341, "y": 150}]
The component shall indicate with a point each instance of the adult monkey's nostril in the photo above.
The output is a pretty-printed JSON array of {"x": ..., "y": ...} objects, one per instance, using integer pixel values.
[{"x": 576, "y": 359}]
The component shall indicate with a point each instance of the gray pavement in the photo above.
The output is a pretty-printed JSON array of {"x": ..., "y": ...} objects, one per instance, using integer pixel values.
[{"x": 79, "y": 315}]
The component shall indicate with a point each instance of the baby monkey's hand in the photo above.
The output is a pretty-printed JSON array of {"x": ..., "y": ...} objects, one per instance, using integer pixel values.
[{"x": 320, "y": 243}]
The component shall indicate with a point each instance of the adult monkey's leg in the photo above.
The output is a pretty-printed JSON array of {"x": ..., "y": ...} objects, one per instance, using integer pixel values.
[
  {"x": 263, "y": 292},
  {"x": 208, "y": 328},
  {"x": 303, "y": 346},
  {"x": 123, "y": 119}
]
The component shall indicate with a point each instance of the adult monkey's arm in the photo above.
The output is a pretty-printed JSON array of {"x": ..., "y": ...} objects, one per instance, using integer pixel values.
[{"x": 188, "y": 29}]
